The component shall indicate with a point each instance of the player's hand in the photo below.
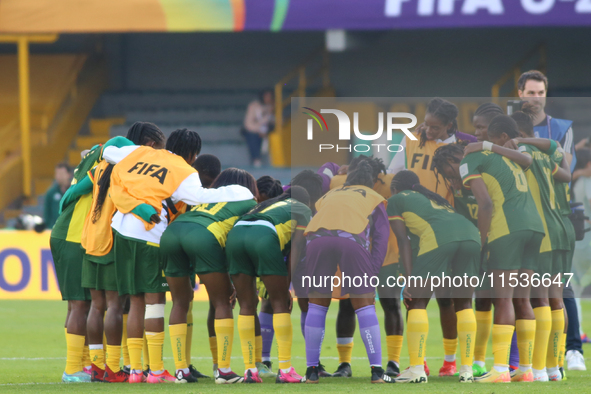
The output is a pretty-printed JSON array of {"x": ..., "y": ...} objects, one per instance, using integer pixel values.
[
  {"x": 343, "y": 170},
  {"x": 407, "y": 297},
  {"x": 472, "y": 147},
  {"x": 512, "y": 144}
]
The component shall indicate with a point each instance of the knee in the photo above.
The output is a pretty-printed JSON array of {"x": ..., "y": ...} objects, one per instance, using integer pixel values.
[
  {"x": 98, "y": 306},
  {"x": 444, "y": 303}
]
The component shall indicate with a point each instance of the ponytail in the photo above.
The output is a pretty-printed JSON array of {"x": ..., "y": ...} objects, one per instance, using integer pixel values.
[{"x": 104, "y": 183}]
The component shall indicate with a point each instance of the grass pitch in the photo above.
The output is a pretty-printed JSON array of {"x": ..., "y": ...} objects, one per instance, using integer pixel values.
[{"x": 33, "y": 349}]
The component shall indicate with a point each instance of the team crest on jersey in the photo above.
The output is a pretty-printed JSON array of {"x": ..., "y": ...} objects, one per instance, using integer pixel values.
[
  {"x": 152, "y": 170},
  {"x": 464, "y": 170}
]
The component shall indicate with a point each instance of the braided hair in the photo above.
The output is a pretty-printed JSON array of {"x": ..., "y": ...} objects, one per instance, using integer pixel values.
[
  {"x": 524, "y": 119},
  {"x": 361, "y": 175},
  {"x": 377, "y": 165},
  {"x": 269, "y": 187},
  {"x": 488, "y": 111},
  {"x": 208, "y": 167},
  {"x": 444, "y": 155},
  {"x": 298, "y": 193},
  {"x": 236, "y": 176},
  {"x": 408, "y": 180},
  {"x": 185, "y": 143},
  {"x": 446, "y": 112},
  {"x": 503, "y": 124},
  {"x": 142, "y": 133}
]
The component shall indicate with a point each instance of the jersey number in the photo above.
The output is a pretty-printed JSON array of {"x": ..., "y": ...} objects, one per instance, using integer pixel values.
[
  {"x": 212, "y": 208},
  {"x": 473, "y": 209},
  {"x": 520, "y": 179}
]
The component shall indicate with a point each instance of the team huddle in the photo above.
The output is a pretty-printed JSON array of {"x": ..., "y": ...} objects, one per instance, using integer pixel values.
[{"x": 147, "y": 215}]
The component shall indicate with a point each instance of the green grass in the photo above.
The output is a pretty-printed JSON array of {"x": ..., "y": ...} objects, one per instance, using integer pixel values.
[{"x": 32, "y": 359}]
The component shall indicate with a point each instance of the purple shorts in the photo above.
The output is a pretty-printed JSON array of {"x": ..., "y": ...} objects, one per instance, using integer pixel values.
[{"x": 325, "y": 254}]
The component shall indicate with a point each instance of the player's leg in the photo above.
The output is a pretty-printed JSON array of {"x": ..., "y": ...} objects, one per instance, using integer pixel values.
[
  {"x": 247, "y": 298},
  {"x": 135, "y": 336},
  {"x": 113, "y": 331},
  {"x": 484, "y": 322},
  {"x": 448, "y": 320},
  {"x": 181, "y": 293},
  {"x": 557, "y": 332},
  {"x": 211, "y": 332},
  {"x": 345, "y": 327},
  {"x": 124, "y": 349},
  {"x": 417, "y": 330},
  {"x": 393, "y": 320},
  {"x": 94, "y": 324},
  {"x": 267, "y": 334}
]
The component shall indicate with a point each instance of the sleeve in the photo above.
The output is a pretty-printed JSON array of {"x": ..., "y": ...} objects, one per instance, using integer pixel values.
[
  {"x": 302, "y": 214},
  {"x": 392, "y": 210},
  {"x": 91, "y": 173},
  {"x": 470, "y": 168},
  {"x": 380, "y": 234},
  {"x": 555, "y": 168},
  {"x": 399, "y": 161},
  {"x": 191, "y": 192},
  {"x": 567, "y": 141},
  {"x": 114, "y": 155},
  {"x": 118, "y": 142}
]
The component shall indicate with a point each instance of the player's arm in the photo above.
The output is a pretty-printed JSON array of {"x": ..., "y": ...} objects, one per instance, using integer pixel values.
[
  {"x": 523, "y": 160},
  {"x": 398, "y": 163},
  {"x": 562, "y": 173},
  {"x": 399, "y": 229},
  {"x": 114, "y": 154},
  {"x": 568, "y": 145},
  {"x": 75, "y": 191},
  {"x": 485, "y": 206},
  {"x": 191, "y": 192}
]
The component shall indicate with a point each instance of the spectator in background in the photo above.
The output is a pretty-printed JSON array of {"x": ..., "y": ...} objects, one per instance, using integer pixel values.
[
  {"x": 208, "y": 167},
  {"x": 63, "y": 179},
  {"x": 258, "y": 123}
]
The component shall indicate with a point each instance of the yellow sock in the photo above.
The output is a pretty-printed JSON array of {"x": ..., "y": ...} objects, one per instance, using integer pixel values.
[
  {"x": 501, "y": 343},
  {"x": 135, "y": 346},
  {"x": 178, "y": 338},
  {"x": 86, "y": 357},
  {"x": 189, "y": 334},
  {"x": 97, "y": 357},
  {"x": 105, "y": 345},
  {"x": 222, "y": 342},
  {"x": 113, "y": 357},
  {"x": 562, "y": 350},
  {"x": 145, "y": 353},
  {"x": 155, "y": 347},
  {"x": 345, "y": 352},
  {"x": 543, "y": 328},
  {"x": 213, "y": 345},
  {"x": 124, "y": 342},
  {"x": 258, "y": 345},
  {"x": 75, "y": 346},
  {"x": 394, "y": 343},
  {"x": 526, "y": 336},
  {"x": 466, "y": 334},
  {"x": 246, "y": 332},
  {"x": 450, "y": 346},
  {"x": 484, "y": 322},
  {"x": 555, "y": 338},
  {"x": 66, "y": 332},
  {"x": 416, "y": 337},
  {"x": 284, "y": 334}
]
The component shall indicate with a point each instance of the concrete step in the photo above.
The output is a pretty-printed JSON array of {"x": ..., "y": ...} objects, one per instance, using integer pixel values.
[
  {"x": 88, "y": 141},
  {"x": 102, "y": 127}
]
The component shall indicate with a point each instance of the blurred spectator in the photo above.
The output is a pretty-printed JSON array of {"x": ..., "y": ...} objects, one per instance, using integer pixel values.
[
  {"x": 63, "y": 179},
  {"x": 258, "y": 123}
]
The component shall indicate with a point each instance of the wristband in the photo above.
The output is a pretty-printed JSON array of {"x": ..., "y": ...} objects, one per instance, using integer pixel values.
[
  {"x": 487, "y": 145},
  {"x": 553, "y": 148}
]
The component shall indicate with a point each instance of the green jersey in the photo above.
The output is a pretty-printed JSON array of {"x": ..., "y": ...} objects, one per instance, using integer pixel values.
[
  {"x": 218, "y": 218},
  {"x": 285, "y": 216},
  {"x": 513, "y": 205},
  {"x": 466, "y": 205},
  {"x": 70, "y": 223},
  {"x": 541, "y": 185},
  {"x": 562, "y": 189},
  {"x": 429, "y": 224}
]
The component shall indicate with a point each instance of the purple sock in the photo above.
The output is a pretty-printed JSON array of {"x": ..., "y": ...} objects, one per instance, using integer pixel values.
[
  {"x": 314, "y": 333},
  {"x": 267, "y": 332},
  {"x": 369, "y": 328},
  {"x": 514, "y": 357},
  {"x": 303, "y": 323}
]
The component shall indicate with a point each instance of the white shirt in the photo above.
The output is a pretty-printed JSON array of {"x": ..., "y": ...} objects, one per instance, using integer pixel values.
[
  {"x": 190, "y": 191},
  {"x": 398, "y": 163}
]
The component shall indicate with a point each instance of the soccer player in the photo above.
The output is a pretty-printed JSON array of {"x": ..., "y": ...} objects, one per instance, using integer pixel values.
[
  {"x": 441, "y": 240},
  {"x": 268, "y": 187},
  {"x": 165, "y": 180},
  {"x": 343, "y": 242},
  {"x": 508, "y": 215},
  {"x": 440, "y": 127},
  {"x": 256, "y": 246},
  {"x": 208, "y": 167},
  {"x": 194, "y": 244},
  {"x": 68, "y": 255}
]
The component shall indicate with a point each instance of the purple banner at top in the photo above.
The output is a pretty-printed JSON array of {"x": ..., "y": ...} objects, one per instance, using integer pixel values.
[{"x": 412, "y": 14}]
